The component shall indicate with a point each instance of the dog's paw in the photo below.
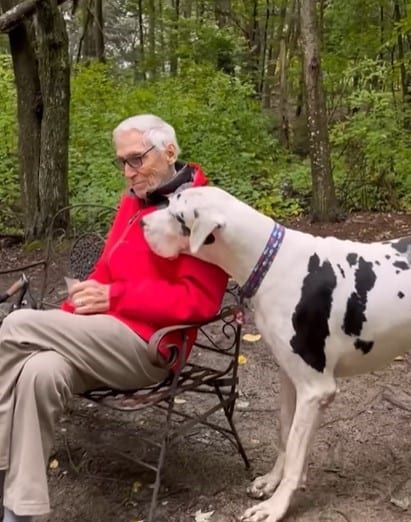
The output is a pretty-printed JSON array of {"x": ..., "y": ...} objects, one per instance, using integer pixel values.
[
  {"x": 264, "y": 486},
  {"x": 263, "y": 512}
]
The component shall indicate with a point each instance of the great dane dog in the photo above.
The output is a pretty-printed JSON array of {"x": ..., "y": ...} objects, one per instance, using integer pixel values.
[{"x": 327, "y": 308}]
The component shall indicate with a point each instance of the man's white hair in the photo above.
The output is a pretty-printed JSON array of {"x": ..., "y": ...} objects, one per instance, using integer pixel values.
[{"x": 156, "y": 131}]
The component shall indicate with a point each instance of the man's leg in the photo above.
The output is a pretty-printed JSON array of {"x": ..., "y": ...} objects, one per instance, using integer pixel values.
[{"x": 45, "y": 357}]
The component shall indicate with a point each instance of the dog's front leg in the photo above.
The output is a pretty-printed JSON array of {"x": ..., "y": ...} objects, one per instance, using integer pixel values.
[
  {"x": 264, "y": 486},
  {"x": 311, "y": 400}
]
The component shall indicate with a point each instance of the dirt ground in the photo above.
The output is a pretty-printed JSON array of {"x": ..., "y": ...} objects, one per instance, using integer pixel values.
[{"x": 360, "y": 466}]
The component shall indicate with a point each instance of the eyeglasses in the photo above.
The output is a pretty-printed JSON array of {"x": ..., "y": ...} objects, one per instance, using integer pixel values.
[{"x": 134, "y": 161}]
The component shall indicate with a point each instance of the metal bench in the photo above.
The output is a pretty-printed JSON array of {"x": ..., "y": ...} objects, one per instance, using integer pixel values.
[{"x": 211, "y": 370}]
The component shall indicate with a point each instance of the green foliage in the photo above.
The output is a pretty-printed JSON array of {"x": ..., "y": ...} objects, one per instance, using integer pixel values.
[
  {"x": 217, "y": 120},
  {"x": 372, "y": 153},
  {"x": 9, "y": 186}
]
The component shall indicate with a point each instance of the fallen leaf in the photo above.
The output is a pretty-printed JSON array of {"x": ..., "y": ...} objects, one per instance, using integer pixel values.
[
  {"x": 177, "y": 400},
  {"x": 251, "y": 338},
  {"x": 402, "y": 503},
  {"x": 54, "y": 464},
  {"x": 242, "y": 405},
  {"x": 135, "y": 488},
  {"x": 399, "y": 358},
  {"x": 203, "y": 517},
  {"x": 242, "y": 359}
]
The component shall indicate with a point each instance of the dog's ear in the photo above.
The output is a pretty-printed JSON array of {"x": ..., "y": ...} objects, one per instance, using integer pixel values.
[{"x": 204, "y": 225}]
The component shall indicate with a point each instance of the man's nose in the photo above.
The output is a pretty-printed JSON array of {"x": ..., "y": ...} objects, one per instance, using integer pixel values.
[{"x": 129, "y": 172}]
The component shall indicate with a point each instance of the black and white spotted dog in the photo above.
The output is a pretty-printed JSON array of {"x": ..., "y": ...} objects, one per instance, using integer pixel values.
[{"x": 327, "y": 308}]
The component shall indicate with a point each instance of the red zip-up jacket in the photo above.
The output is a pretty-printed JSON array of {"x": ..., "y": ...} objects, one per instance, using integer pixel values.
[{"x": 148, "y": 292}]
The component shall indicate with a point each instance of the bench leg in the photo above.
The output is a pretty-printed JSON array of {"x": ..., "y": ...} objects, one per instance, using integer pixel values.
[
  {"x": 161, "y": 459},
  {"x": 229, "y": 411}
]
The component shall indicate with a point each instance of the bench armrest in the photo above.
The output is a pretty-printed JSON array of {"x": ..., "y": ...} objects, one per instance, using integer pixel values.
[{"x": 156, "y": 339}]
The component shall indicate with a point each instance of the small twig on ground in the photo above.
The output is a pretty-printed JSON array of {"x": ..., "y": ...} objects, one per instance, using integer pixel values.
[
  {"x": 345, "y": 517},
  {"x": 75, "y": 468},
  {"x": 397, "y": 398},
  {"x": 356, "y": 414}
]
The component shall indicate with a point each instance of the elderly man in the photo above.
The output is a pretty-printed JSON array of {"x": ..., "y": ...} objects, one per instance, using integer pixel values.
[{"x": 99, "y": 337}]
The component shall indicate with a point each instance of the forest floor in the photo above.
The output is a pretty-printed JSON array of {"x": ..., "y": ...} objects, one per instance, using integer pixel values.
[{"x": 360, "y": 466}]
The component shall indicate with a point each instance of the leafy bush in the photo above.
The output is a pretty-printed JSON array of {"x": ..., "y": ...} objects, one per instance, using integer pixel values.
[
  {"x": 372, "y": 154},
  {"x": 9, "y": 186},
  {"x": 218, "y": 122}
]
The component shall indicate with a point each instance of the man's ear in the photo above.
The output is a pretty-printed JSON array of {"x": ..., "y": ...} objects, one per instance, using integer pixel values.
[
  {"x": 204, "y": 225},
  {"x": 171, "y": 153}
]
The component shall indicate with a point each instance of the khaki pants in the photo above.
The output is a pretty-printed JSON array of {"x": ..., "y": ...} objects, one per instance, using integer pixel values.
[{"x": 45, "y": 358}]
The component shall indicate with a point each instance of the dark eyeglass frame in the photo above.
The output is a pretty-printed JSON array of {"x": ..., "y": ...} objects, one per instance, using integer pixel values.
[{"x": 134, "y": 161}]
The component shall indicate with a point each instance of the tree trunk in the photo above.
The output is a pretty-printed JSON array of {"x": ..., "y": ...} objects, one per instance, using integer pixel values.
[
  {"x": 29, "y": 115},
  {"x": 405, "y": 80},
  {"x": 324, "y": 205},
  {"x": 174, "y": 37},
  {"x": 54, "y": 74},
  {"x": 93, "y": 31},
  {"x": 152, "y": 61},
  {"x": 42, "y": 76}
]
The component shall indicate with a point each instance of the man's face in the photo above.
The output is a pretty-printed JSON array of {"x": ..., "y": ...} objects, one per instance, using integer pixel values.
[{"x": 147, "y": 166}]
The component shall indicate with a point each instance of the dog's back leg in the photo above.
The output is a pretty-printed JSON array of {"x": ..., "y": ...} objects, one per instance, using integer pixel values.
[
  {"x": 312, "y": 397},
  {"x": 264, "y": 486}
]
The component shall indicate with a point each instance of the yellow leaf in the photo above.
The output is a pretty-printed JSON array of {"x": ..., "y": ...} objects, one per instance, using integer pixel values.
[
  {"x": 242, "y": 359},
  {"x": 251, "y": 338},
  {"x": 54, "y": 464},
  {"x": 135, "y": 488}
]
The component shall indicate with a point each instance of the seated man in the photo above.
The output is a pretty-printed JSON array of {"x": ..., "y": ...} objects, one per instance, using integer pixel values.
[{"x": 99, "y": 338}]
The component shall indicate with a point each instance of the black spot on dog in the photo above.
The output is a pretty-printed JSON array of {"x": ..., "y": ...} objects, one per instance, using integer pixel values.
[
  {"x": 397, "y": 272},
  {"x": 400, "y": 294},
  {"x": 180, "y": 218},
  {"x": 387, "y": 256},
  {"x": 377, "y": 263},
  {"x": 196, "y": 213},
  {"x": 402, "y": 265},
  {"x": 402, "y": 245},
  {"x": 340, "y": 268},
  {"x": 357, "y": 302},
  {"x": 352, "y": 259},
  {"x": 178, "y": 195},
  {"x": 210, "y": 239},
  {"x": 310, "y": 318},
  {"x": 364, "y": 346}
]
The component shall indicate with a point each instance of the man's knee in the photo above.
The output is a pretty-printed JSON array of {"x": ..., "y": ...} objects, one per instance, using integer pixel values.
[
  {"x": 15, "y": 320},
  {"x": 47, "y": 372}
]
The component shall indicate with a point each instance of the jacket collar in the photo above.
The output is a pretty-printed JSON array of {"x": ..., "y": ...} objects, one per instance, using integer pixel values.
[{"x": 183, "y": 178}]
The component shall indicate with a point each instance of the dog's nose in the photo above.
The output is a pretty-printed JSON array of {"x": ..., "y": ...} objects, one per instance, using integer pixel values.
[{"x": 142, "y": 223}]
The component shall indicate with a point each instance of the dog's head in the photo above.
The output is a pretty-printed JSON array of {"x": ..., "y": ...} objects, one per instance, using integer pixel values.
[{"x": 189, "y": 223}]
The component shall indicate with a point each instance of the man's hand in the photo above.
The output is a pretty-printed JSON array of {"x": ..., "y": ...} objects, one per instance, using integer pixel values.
[{"x": 90, "y": 297}]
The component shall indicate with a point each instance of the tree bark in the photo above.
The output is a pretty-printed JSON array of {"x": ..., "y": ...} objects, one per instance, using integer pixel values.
[
  {"x": 54, "y": 74},
  {"x": 324, "y": 204},
  {"x": 41, "y": 67},
  {"x": 13, "y": 16},
  {"x": 93, "y": 31},
  {"x": 16, "y": 15}
]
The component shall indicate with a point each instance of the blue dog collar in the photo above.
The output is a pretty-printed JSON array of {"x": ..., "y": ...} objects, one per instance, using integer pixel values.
[{"x": 251, "y": 286}]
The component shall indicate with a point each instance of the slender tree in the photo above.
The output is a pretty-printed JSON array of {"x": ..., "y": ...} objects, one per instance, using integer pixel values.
[{"x": 324, "y": 203}]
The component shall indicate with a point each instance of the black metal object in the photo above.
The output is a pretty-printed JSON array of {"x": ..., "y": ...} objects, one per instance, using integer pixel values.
[{"x": 73, "y": 253}]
